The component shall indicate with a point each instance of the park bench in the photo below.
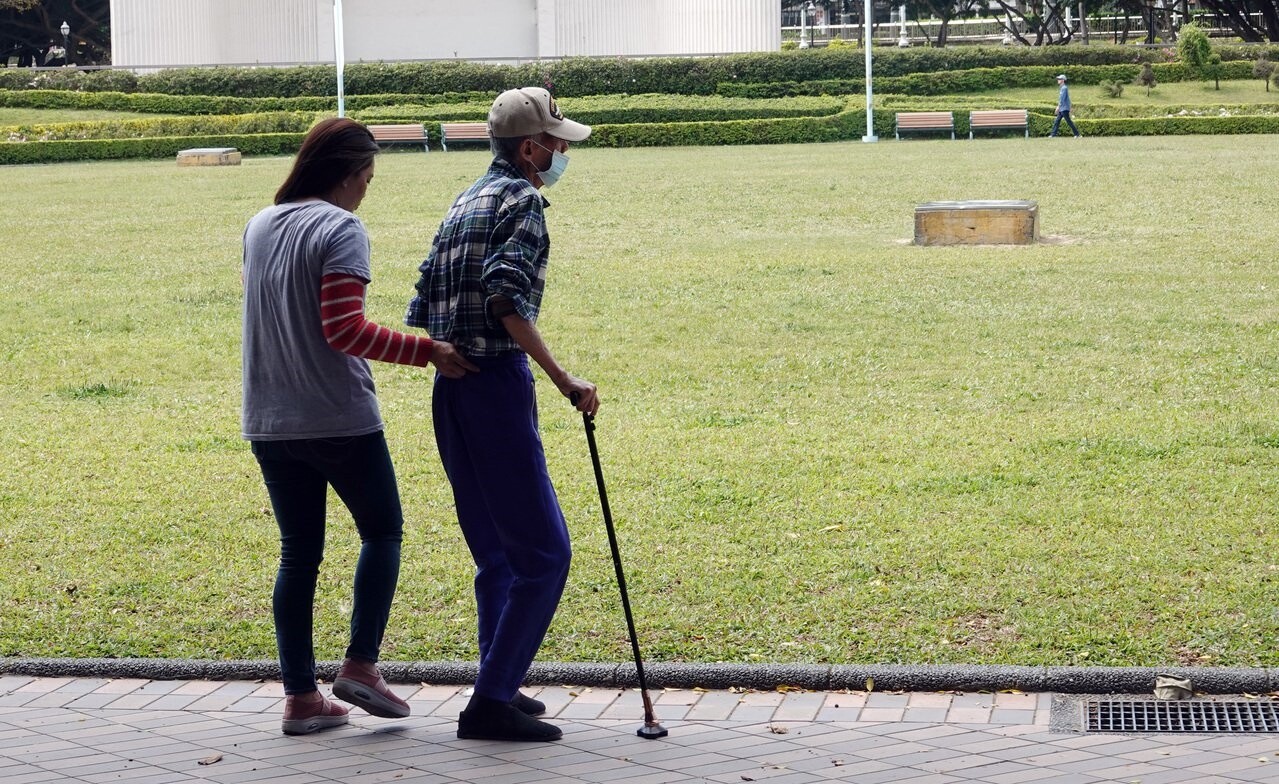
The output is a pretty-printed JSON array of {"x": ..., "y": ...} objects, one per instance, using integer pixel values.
[
  {"x": 998, "y": 120},
  {"x": 463, "y": 132},
  {"x": 400, "y": 134},
  {"x": 924, "y": 122}
]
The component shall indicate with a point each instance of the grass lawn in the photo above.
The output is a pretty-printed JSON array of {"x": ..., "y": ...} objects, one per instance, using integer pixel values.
[
  {"x": 822, "y": 443},
  {"x": 21, "y": 116}
]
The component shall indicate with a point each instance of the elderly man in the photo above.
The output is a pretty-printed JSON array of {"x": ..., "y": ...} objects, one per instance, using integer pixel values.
[
  {"x": 482, "y": 286},
  {"x": 1063, "y": 107}
]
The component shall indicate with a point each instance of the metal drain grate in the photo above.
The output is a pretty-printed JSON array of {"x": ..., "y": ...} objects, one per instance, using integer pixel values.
[{"x": 1199, "y": 716}]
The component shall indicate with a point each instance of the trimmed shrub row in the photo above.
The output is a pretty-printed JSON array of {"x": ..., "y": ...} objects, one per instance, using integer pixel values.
[
  {"x": 978, "y": 80},
  {"x": 624, "y": 109},
  {"x": 224, "y": 125},
  {"x": 155, "y": 147},
  {"x": 846, "y": 125},
  {"x": 158, "y": 103},
  {"x": 587, "y": 76}
]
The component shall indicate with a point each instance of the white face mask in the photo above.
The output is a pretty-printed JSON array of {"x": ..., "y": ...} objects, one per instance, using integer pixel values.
[{"x": 559, "y": 162}]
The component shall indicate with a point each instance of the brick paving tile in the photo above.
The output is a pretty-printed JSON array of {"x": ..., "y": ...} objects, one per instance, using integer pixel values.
[
  {"x": 933, "y": 778},
  {"x": 929, "y": 699},
  {"x": 746, "y": 712},
  {"x": 252, "y": 704},
  {"x": 16, "y": 699},
  {"x": 772, "y": 698},
  {"x": 801, "y": 706},
  {"x": 961, "y": 715},
  {"x": 43, "y": 685},
  {"x": 924, "y": 715},
  {"x": 974, "y": 700},
  {"x": 93, "y": 701},
  {"x": 1174, "y": 776},
  {"x": 713, "y": 706},
  {"x": 888, "y": 775},
  {"x": 1016, "y": 700},
  {"x": 990, "y": 768},
  {"x": 882, "y": 715},
  {"x": 1012, "y": 716},
  {"x": 879, "y": 699},
  {"x": 633, "y": 777},
  {"x": 839, "y": 715},
  {"x": 1229, "y": 766},
  {"x": 685, "y": 697},
  {"x": 953, "y": 763},
  {"x": 35, "y": 776},
  {"x": 1037, "y": 776}
]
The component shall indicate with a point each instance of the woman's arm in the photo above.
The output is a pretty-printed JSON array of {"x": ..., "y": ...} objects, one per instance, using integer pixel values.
[{"x": 347, "y": 330}]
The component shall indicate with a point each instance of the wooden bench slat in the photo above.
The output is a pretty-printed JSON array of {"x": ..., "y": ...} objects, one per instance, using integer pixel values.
[
  {"x": 394, "y": 134},
  {"x": 925, "y": 121},
  {"x": 463, "y": 131},
  {"x": 999, "y": 119}
]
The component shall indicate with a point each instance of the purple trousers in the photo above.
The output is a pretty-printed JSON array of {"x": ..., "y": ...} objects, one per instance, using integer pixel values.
[{"x": 487, "y": 434}]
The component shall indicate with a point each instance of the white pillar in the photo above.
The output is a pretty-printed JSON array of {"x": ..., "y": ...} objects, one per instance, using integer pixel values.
[
  {"x": 803, "y": 26},
  {"x": 339, "y": 56},
  {"x": 867, "y": 22},
  {"x": 902, "y": 40}
]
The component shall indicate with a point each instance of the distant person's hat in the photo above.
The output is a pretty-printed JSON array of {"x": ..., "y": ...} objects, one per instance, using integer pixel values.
[
  {"x": 1061, "y": 77},
  {"x": 528, "y": 111}
]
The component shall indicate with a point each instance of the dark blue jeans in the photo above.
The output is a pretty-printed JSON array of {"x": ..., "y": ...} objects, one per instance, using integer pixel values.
[
  {"x": 298, "y": 475},
  {"x": 1057, "y": 123},
  {"x": 487, "y": 433}
]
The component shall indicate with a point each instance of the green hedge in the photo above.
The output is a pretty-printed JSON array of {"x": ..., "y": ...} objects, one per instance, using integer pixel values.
[
  {"x": 978, "y": 80},
  {"x": 588, "y": 76},
  {"x": 848, "y": 124},
  {"x": 158, "y": 103},
  {"x": 158, "y": 147},
  {"x": 623, "y": 109},
  {"x": 228, "y": 125}
]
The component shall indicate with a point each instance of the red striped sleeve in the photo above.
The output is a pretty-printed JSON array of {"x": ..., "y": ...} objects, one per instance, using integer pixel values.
[{"x": 346, "y": 329}]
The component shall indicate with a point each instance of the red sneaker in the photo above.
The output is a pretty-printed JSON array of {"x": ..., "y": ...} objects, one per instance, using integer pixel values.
[
  {"x": 369, "y": 692},
  {"x": 305, "y": 718}
]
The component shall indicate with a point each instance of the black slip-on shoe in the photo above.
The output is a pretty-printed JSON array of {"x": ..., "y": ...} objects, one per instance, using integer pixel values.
[
  {"x": 486, "y": 719},
  {"x": 527, "y": 705}
]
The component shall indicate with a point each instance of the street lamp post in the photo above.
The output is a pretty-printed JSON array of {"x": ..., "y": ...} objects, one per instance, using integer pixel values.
[
  {"x": 868, "y": 21},
  {"x": 804, "y": 11},
  {"x": 902, "y": 40},
  {"x": 66, "y": 50},
  {"x": 339, "y": 55}
]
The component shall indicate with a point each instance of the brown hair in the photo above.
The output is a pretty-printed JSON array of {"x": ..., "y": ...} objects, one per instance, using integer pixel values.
[{"x": 335, "y": 149}]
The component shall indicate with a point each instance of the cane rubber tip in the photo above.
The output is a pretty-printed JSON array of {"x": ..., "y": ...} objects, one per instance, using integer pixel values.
[{"x": 652, "y": 731}]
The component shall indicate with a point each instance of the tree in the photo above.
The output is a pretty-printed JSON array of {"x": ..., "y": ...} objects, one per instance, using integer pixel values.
[
  {"x": 1147, "y": 77},
  {"x": 1213, "y": 69},
  {"x": 944, "y": 10},
  {"x": 1237, "y": 14},
  {"x": 33, "y": 24},
  {"x": 1194, "y": 49},
  {"x": 1263, "y": 69}
]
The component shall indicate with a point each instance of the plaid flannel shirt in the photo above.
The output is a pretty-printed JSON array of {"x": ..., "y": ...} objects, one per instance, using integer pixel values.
[{"x": 492, "y": 242}]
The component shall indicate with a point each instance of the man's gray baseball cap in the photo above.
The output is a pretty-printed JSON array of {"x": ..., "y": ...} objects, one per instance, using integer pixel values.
[{"x": 528, "y": 111}]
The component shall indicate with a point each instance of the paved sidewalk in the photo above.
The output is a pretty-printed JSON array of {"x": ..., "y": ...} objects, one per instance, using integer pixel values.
[{"x": 162, "y": 731}]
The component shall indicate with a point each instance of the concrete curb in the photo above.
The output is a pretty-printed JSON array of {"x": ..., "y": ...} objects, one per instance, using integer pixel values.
[{"x": 886, "y": 677}]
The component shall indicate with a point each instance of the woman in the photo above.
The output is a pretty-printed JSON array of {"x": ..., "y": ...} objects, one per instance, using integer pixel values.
[{"x": 311, "y": 413}]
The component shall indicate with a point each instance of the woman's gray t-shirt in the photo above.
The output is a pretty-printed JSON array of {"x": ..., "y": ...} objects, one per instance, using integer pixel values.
[{"x": 295, "y": 385}]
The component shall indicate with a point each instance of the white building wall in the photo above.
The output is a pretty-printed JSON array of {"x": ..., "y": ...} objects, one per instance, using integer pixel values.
[
  {"x": 200, "y": 32},
  {"x": 214, "y": 32}
]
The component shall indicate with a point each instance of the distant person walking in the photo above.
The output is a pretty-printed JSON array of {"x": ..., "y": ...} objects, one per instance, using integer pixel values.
[
  {"x": 1063, "y": 107},
  {"x": 481, "y": 287},
  {"x": 311, "y": 414}
]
